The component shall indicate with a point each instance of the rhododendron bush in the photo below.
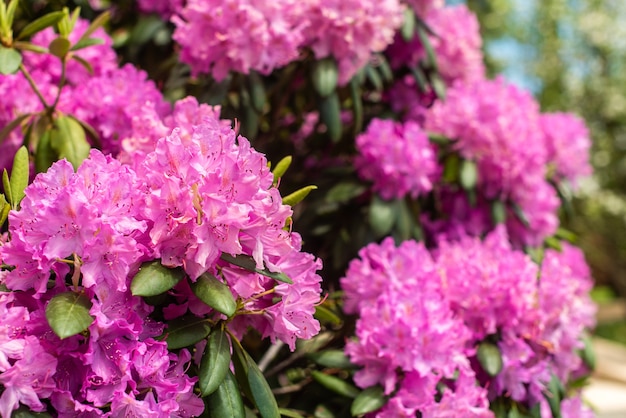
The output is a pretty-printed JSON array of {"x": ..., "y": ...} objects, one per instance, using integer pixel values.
[{"x": 311, "y": 208}]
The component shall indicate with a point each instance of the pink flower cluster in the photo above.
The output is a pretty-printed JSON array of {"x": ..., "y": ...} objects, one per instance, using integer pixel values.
[
  {"x": 397, "y": 157},
  {"x": 568, "y": 143},
  {"x": 219, "y": 36},
  {"x": 496, "y": 125},
  {"x": 422, "y": 316},
  {"x": 165, "y": 8},
  {"x": 199, "y": 194},
  {"x": 457, "y": 45},
  {"x": 254, "y": 35}
]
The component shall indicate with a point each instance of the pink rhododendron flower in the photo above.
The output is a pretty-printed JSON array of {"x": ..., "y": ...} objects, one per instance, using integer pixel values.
[
  {"x": 165, "y": 8},
  {"x": 217, "y": 37},
  {"x": 486, "y": 119},
  {"x": 397, "y": 157},
  {"x": 350, "y": 30},
  {"x": 457, "y": 45},
  {"x": 567, "y": 142}
]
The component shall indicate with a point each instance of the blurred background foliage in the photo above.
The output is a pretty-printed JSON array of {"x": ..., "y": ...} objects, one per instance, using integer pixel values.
[{"x": 572, "y": 55}]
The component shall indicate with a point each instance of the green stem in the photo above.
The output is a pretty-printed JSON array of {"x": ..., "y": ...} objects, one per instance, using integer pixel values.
[
  {"x": 35, "y": 88},
  {"x": 61, "y": 83}
]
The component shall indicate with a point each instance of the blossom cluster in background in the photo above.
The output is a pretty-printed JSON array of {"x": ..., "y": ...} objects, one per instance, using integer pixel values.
[{"x": 423, "y": 315}]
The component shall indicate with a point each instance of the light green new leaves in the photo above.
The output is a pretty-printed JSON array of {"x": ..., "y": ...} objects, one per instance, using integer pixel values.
[
  {"x": 10, "y": 60},
  {"x": 325, "y": 75},
  {"x": 153, "y": 279},
  {"x": 15, "y": 185},
  {"x": 68, "y": 314},
  {"x": 215, "y": 363},
  {"x": 40, "y": 24},
  {"x": 298, "y": 196}
]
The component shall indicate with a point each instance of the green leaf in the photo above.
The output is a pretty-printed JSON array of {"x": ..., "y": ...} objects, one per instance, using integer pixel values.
[
  {"x": 408, "y": 25},
  {"x": 19, "y": 175},
  {"x": 498, "y": 212},
  {"x": 325, "y": 75},
  {"x": 45, "y": 156},
  {"x": 185, "y": 331},
  {"x": 298, "y": 196},
  {"x": 215, "y": 363},
  {"x": 85, "y": 43},
  {"x": 335, "y": 384},
  {"x": 370, "y": 400},
  {"x": 431, "y": 59},
  {"x": 257, "y": 91},
  {"x": 330, "y": 115},
  {"x": 290, "y": 413},
  {"x": 98, "y": 22},
  {"x": 215, "y": 293},
  {"x": 24, "y": 412},
  {"x": 261, "y": 393},
  {"x": 490, "y": 358},
  {"x": 7, "y": 186},
  {"x": 153, "y": 278},
  {"x": 226, "y": 400},
  {"x": 357, "y": 105},
  {"x": 69, "y": 141},
  {"x": 10, "y": 60},
  {"x": 68, "y": 314},
  {"x": 9, "y": 127},
  {"x": 588, "y": 353},
  {"x": 325, "y": 315},
  {"x": 83, "y": 62},
  {"x": 468, "y": 175},
  {"x": 374, "y": 78},
  {"x": 5, "y": 208},
  {"x": 10, "y": 16},
  {"x": 554, "y": 395},
  {"x": 344, "y": 191},
  {"x": 520, "y": 215},
  {"x": 420, "y": 78},
  {"x": 382, "y": 216},
  {"x": 40, "y": 24},
  {"x": 281, "y": 168},
  {"x": 384, "y": 68},
  {"x": 28, "y": 46},
  {"x": 438, "y": 86},
  {"x": 59, "y": 47},
  {"x": 332, "y": 358},
  {"x": 246, "y": 262}
]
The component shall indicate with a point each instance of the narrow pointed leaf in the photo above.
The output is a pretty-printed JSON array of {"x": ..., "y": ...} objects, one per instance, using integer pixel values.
[
  {"x": 298, "y": 196},
  {"x": 588, "y": 353},
  {"x": 408, "y": 25},
  {"x": 11, "y": 11},
  {"x": 240, "y": 365},
  {"x": 438, "y": 86},
  {"x": 281, "y": 168},
  {"x": 490, "y": 358},
  {"x": 246, "y": 262},
  {"x": 370, "y": 400},
  {"x": 83, "y": 62},
  {"x": 28, "y": 46},
  {"x": 335, "y": 384},
  {"x": 86, "y": 42},
  {"x": 19, "y": 175},
  {"x": 261, "y": 393},
  {"x": 10, "y": 60},
  {"x": 330, "y": 115},
  {"x": 68, "y": 314},
  {"x": 215, "y": 363},
  {"x": 9, "y": 127},
  {"x": 69, "y": 141},
  {"x": 257, "y": 92},
  {"x": 498, "y": 212},
  {"x": 5, "y": 208},
  {"x": 431, "y": 61},
  {"x": 45, "y": 156},
  {"x": 325, "y": 75},
  {"x": 357, "y": 106},
  {"x": 98, "y": 22},
  {"x": 325, "y": 315},
  {"x": 226, "y": 400},
  {"x": 7, "y": 186},
  {"x": 185, "y": 331},
  {"x": 210, "y": 290},
  {"x": 153, "y": 279},
  {"x": 374, "y": 77},
  {"x": 332, "y": 358},
  {"x": 40, "y": 24}
]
